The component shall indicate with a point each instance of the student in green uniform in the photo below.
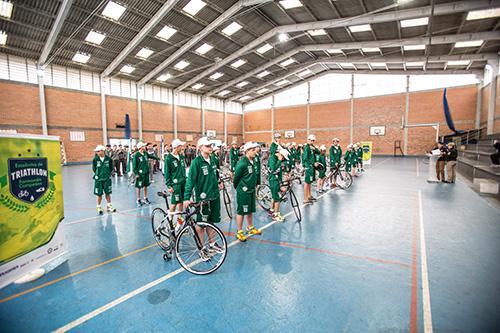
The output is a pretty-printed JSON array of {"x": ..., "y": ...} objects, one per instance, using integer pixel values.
[
  {"x": 288, "y": 163},
  {"x": 257, "y": 164},
  {"x": 233, "y": 156},
  {"x": 275, "y": 176},
  {"x": 309, "y": 163},
  {"x": 245, "y": 182},
  {"x": 275, "y": 145},
  {"x": 140, "y": 167},
  {"x": 202, "y": 178},
  {"x": 215, "y": 156},
  {"x": 348, "y": 158},
  {"x": 175, "y": 176},
  {"x": 294, "y": 154},
  {"x": 102, "y": 166},
  {"x": 321, "y": 159},
  {"x": 359, "y": 155},
  {"x": 335, "y": 157}
]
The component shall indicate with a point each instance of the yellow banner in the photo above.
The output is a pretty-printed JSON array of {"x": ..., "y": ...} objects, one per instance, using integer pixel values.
[
  {"x": 367, "y": 151},
  {"x": 31, "y": 198}
]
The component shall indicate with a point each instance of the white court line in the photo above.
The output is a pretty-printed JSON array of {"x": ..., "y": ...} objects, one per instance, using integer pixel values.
[
  {"x": 426, "y": 297},
  {"x": 417, "y": 166},
  {"x": 101, "y": 216},
  {"x": 384, "y": 160},
  {"x": 150, "y": 285}
]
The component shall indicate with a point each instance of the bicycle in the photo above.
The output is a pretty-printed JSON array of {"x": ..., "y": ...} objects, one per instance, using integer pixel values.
[
  {"x": 338, "y": 176},
  {"x": 225, "y": 195},
  {"x": 193, "y": 254},
  {"x": 265, "y": 198}
]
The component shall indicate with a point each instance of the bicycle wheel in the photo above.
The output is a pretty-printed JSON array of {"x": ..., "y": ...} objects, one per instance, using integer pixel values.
[
  {"x": 196, "y": 256},
  {"x": 227, "y": 202},
  {"x": 295, "y": 206},
  {"x": 264, "y": 196},
  {"x": 343, "y": 179},
  {"x": 160, "y": 226}
]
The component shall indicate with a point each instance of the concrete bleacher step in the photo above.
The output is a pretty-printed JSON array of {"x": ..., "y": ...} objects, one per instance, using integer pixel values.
[
  {"x": 480, "y": 147},
  {"x": 486, "y": 185}
]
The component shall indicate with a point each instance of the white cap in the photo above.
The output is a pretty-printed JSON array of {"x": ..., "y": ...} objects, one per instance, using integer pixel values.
[
  {"x": 216, "y": 147},
  {"x": 287, "y": 144},
  {"x": 99, "y": 148},
  {"x": 203, "y": 141},
  {"x": 311, "y": 137},
  {"x": 285, "y": 153},
  {"x": 176, "y": 143},
  {"x": 322, "y": 147},
  {"x": 277, "y": 135},
  {"x": 336, "y": 139},
  {"x": 140, "y": 145},
  {"x": 294, "y": 143},
  {"x": 250, "y": 145}
]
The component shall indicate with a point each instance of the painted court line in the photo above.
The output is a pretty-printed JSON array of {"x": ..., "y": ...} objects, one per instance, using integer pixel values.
[
  {"x": 100, "y": 216},
  {"x": 75, "y": 273},
  {"x": 150, "y": 285},
  {"x": 426, "y": 297},
  {"x": 417, "y": 167}
]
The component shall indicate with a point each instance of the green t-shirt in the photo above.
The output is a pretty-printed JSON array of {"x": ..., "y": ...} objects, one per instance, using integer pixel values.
[
  {"x": 102, "y": 169},
  {"x": 202, "y": 178},
  {"x": 175, "y": 170},
  {"x": 245, "y": 177}
]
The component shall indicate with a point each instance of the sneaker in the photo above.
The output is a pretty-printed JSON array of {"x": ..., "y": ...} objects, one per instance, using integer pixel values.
[
  {"x": 241, "y": 236},
  {"x": 139, "y": 203},
  {"x": 146, "y": 201},
  {"x": 204, "y": 254},
  {"x": 278, "y": 217},
  {"x": 99, "y": 210},
  {"x": 111, "y": 209},
  {"x": 313, "y": 199},
  {"x": 215, "y": 248},
  {"x": 253, "y": 231}
]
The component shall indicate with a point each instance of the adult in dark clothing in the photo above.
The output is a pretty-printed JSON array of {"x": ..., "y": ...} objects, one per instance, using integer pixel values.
[
  {"x": 116, "y": 160},
  {"x": 495, "y": 158},
  {"x": 122, "y": 158},
  {"x": 451, "y": 162},
  {"x": 441, "y": 162}
]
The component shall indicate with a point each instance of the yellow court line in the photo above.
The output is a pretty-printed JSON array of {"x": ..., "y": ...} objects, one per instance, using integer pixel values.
[{"x": 74, "y": 274}]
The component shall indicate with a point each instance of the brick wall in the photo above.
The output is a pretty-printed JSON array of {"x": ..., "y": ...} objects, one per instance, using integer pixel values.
[
  {"x": 328, "y": 120},
  {"x": 70, "y": 110}
]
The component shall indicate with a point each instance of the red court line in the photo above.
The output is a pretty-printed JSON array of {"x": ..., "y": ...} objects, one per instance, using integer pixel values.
[
  {"x": 341, "y": 254},
  {"x": 414, "y": 277}
]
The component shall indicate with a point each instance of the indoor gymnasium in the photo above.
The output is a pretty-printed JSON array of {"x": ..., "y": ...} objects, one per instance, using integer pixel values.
[{"x": 249, "y": 166}]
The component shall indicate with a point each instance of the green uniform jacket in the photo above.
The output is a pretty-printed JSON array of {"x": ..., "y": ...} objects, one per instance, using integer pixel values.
[
  {"x": 308, "y": 157},
  {"x": 335, "y": 155},
  {"x": 233, "y": 157},
  {"x": 215, "y": 159},
  {"x": 274, "y": 167},
  {"x": 359, "y": 153},
  {"x": 274, "y": 148},
  {"x": 321, "y": 159},
  {"x": 102, "y": 169},
  {"x": 348, "y": 157},
  {"x": 202, "y": 178},
  {"x": 140, "y": 165},
  {"x": 256, "y": 165},
  {"x": 175, "y": 170},
  {"x": 245, "y": 177}
]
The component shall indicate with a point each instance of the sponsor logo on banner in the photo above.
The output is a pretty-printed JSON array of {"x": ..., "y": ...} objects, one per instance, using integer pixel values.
[{"x": 28, "y": 178}]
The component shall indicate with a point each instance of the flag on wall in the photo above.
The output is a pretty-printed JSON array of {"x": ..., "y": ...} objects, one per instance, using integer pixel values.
[{"x": 447, "y": 114}]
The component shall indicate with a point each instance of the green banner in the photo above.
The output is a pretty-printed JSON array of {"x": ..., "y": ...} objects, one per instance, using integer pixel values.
[{"x": 31, "y": 198}]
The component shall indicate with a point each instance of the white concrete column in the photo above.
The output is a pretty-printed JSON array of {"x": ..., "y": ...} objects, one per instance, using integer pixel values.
[
  {"x": 41, "y": 92},
  {"x": 308, "y": 108},
  {"x": 351, "y": 123},
  {"x": 272, "y": 118},
  {"x": 493, "y": 96},
  {"x": 174, "y": 112},
  {"x": 243, "y": 123},
  {"x": 140, "y": 89},
  {"x": 203, "y": 129},
  {"x": 104, "y": 82},
  {"x": 479, "y": 104},
  {"x": 225, "y": 121},
  {"x": 407, "y": 109}
]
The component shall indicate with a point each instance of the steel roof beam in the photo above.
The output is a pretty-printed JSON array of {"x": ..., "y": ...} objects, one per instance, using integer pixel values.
[
  {"x": 199, "y": 36},
  {"x": 368, "y": 18},
  {"x": 54, "y": 32}
]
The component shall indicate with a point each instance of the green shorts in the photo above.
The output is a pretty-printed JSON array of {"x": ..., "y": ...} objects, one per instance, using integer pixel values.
[
  {"x": 310, "y": 175},
  {"x": 246, "y": 203},
  {"x": 211, "y": 212},
  {"x": 178, "y": 194},
  {"x": 322, "y": 174},
  {"x": 275, "y": 190},
  {"x": 142, "y": 180},
  {"x": 102, "y": 186}
]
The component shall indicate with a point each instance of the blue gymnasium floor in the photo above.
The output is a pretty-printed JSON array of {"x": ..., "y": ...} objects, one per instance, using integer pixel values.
[{"x": 354, "y": 264}]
